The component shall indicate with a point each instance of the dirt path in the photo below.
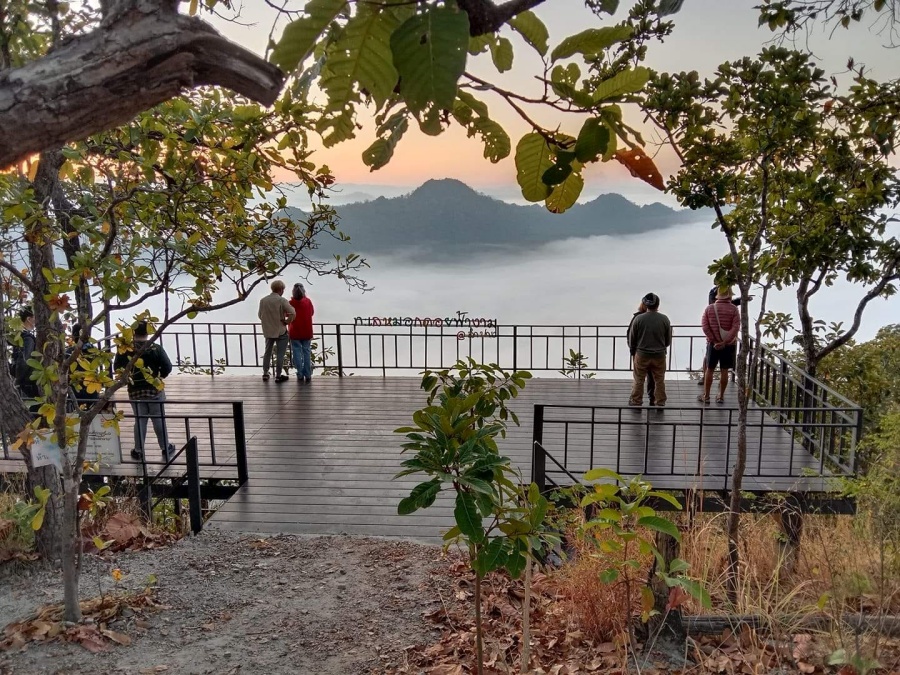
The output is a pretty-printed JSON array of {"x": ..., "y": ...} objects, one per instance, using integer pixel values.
[{"x": 240, "y": 604}]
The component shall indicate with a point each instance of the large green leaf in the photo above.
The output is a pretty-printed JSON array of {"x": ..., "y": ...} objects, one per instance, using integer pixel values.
[
  {"x": 660, "y": 525},
  {"x": 335, "y": 128},
  {"x": 566, "y": 193},
  {"x": 468, "y": 520},
  {"x": 626, "y": 82},
  {"x": 532, "y": 29},
  {"x": 533, "y": 158},
  {"x": 380, "y": 152},
  {"x": 491, "y": 557},
  {"x": 430, "y": 54},
  {"x": 421, "y": 497},
  {"x": 591, "y": 41},
  {"x": 473, "y": 114},
  {"x": 362, "y": 55},
  {"x": 502, "y": 54},
  {"x": 300, "y": 36},
  {"x": 593, "y": 140}
]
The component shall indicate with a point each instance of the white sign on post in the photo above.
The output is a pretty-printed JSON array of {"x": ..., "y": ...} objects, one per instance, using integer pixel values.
[
  {"x": 45, "y": 452},
  {"x": 102, "y": 445},
  {"x": 103, "y": 442}
]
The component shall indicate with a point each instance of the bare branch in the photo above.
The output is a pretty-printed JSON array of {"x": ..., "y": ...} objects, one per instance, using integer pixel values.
[{"x": 145, "y": 55}]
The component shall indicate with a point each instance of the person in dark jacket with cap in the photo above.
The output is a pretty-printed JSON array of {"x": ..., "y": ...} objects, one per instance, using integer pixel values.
[
  {"x": 650, "y": 338},
  {"x": 146, "y": 396}
]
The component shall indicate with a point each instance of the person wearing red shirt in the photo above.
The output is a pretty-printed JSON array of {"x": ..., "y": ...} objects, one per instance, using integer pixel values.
[
  {"x": 301, "y": 332},
  {"x": 721, "y": 322}
]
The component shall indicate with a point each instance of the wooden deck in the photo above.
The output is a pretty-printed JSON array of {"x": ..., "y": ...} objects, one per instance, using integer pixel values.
[{"x": 322, "y": 457}]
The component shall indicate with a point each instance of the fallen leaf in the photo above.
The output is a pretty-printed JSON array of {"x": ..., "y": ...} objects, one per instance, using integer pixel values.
[{"x": 119, "y": 638}]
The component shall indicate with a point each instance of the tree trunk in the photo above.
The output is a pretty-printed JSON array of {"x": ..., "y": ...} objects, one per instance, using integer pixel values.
[
  {"x": 479, "y": 633},
  {"x": 667, "y": 624},
  {"x": 526, "y": 617},
  {"x": 740, "y": 465},
  {"x": 790, "y": 520},
  {"x": 70, "y": 541},
  {"x": 143, "y": 55}
]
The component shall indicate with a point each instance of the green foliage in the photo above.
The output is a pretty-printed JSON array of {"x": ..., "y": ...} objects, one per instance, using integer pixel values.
[
  {"x": 575, "y": 363},
  {"x": 618, "y": 515},
  {"x": 408, "y": 60},
  {"x": 454, "y": 441}
]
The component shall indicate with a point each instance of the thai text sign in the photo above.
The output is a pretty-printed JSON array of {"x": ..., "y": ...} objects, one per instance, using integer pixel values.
[{"x": 461, "y": 320}]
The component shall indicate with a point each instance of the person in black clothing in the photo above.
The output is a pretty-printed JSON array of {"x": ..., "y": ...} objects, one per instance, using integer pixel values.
[
  {"x": 651, "y": 383},
  {"x": 19, "y": 367},
  {"x": 147, "y": 397}
]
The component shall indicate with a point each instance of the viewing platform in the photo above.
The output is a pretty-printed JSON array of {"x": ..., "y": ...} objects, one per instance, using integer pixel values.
[{"x": 320, "y": 458}]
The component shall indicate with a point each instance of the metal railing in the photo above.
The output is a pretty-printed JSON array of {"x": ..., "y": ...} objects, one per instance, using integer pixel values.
[
  {"x": 218, "y": 427},
  {"x": 346, "y": 348},
  {"x": 684, "y": 446},
  {"x": 827, "y": 424}
]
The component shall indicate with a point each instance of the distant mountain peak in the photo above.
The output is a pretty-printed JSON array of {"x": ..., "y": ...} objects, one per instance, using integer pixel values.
[{"x": 444, "y": 188}]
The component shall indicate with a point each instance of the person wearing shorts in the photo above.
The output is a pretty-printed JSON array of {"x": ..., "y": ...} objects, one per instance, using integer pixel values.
[{"x": 721, "y": 322}]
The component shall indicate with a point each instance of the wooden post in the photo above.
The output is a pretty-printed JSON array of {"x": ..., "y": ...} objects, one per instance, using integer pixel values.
[{"x": 789, "y": 515}]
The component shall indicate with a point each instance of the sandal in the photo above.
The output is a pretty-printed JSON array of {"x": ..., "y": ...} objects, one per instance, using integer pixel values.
[
  {"x": 719, "y": 400},
  {"x": 703, "y": 399}
]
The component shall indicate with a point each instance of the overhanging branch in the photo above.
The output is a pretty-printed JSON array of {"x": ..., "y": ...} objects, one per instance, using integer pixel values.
[
  {"x": 486, "y": 17},
  {"x": 146, "y": 56}
]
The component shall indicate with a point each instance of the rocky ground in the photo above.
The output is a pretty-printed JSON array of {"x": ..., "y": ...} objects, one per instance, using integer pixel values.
[{"x": 237, "y": 604}]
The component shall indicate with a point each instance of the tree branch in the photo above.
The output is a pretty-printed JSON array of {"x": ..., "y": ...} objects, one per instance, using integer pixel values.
[
  {"x": 145, "y": 55},
  {"x": 486, "y": 17}
]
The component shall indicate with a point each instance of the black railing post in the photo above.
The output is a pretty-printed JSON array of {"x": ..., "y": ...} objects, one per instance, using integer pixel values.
[
  {"x": 515, "y": 346},
  {"x": 340, "y": 352},
  {"x": 193, "y": 475},
  {"x": 240, "y": 441},
  {"x": 538, "y": 460}
]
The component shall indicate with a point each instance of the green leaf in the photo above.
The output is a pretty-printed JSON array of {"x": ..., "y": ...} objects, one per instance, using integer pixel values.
[
  {"x": 533, "y": 158},
  {"x": 597, "y": 474},
  {"x": 421, "y": 497},
  {"x": 515, "y": 563},
  {"x": 556, "y": 174},
  {"x": 609, "y": 575},
  {"x": 566, "y": 193},
  {"x": 660, "y": 525},
  {"x": 361, "y": 54},
  {"x": 473, "y": 114},
  {"x": 380, "y": 152},
  {"x": 452, "y": 533},
  {"x": 467, "y": 517},
  {"x": 502, "y": 54},
  {"x": 335, "y": 128},
  {"x": 491, "y": 557},
  {"x": 480, "y": 43},
  {"x": 668, "y": 7},
  {"x": 591, "y": 41},
  {"x": 592, "y": 140},
  {"x": 626, "y": 82},
  {"x": 666, "y": 497},
  {"x": 300, "y": 36},
  {"x": 532, "y": 30},
  {"x": 429, "y": 52},
  {"x": 694, "y": 589},
  {"x": 678, "y": 565},
  {"x": 609, "y": 514}
]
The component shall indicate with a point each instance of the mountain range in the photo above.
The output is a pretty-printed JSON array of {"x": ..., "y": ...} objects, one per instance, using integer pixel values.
[{"x": 447, "y": 216}]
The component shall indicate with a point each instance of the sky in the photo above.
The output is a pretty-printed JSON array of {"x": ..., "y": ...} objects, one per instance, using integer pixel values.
[{"x": 706, "y": 33}]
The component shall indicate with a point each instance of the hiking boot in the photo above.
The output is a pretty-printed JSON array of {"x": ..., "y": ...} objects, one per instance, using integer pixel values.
[
  {"x": 282, "y": 378},
  {"x": 137, "y": 454},
  {"x": 265, "y": 377}
]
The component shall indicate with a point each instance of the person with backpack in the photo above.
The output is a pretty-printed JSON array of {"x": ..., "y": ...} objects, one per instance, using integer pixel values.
[
  {"x": 19, "y": 368},
  {"x": 721, "y": 322},
  {"x": 147, "y": 397}
]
